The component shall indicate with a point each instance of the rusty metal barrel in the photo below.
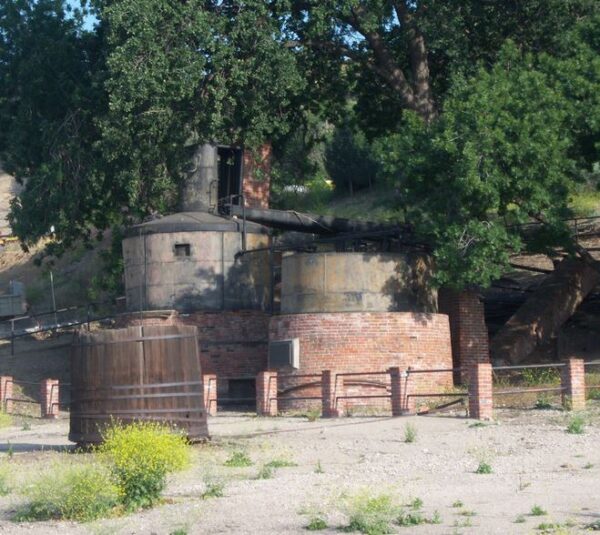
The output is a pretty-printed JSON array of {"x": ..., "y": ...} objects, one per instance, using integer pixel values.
[{"x": 138, "y": 373}]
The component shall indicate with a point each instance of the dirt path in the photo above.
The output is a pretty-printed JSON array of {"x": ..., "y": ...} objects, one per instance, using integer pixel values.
[{"x": 534, "y": 461}]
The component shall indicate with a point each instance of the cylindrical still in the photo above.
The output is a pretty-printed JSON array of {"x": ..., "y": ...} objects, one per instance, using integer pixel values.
[{"x": 139, "y": 373}]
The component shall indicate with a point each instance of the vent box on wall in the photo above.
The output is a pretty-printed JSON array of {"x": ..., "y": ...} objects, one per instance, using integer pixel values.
[{"x": 284, "y": 353}]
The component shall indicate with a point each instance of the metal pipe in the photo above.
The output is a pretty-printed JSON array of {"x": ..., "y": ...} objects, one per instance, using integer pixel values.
[{"x": 311, "y": 223}]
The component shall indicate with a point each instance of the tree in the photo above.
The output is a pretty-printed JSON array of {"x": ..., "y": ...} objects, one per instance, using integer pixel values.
[{"x": 504, "y": 152}]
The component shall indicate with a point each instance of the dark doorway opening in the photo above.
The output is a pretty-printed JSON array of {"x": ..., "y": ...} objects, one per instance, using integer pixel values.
[
  {"x": 241, "y": 395},
  {"x": 230, "y": 173}
]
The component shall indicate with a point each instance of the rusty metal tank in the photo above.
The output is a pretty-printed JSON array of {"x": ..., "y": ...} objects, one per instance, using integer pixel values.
[
  {"x": 356, "y": 282},
  {"x": 189, "y": 261}
]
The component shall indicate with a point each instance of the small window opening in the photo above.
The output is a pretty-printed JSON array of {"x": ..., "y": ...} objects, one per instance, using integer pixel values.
[{"x": 182, "y": 249}]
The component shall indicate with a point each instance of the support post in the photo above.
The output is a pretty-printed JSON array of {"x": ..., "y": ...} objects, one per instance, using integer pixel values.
[
  {"x": 402, "y": 403},
  {"x": 480, "y": 391},
  {"x": 266, "y": 393},
  {"x": 573, "y": 383},
  {"x": 6, "y": 393},
  {"x": 209, "y": 391},
  {"x": 49, "y": 396},
  {"x": 332, "y": 386}
]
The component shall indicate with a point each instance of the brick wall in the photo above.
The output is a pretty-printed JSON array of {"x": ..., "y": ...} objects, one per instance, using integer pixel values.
[
  {"x": 232, "y": 344},
  {"x": 469, "y": 333},
  {"x": 363, "y": 342},
  {"x": 256, "y": 180}
]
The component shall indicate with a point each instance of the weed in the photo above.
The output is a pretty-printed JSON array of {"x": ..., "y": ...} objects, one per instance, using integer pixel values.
[
  {"x": 410, "y": 433},
  {"x": 537, "y": 510},
  {"x": 238, "y": 459},
  {"x": 466, "y": 512},
  {"x": 280, "y": 463},
  {"x": 266, "y": 472},
  {"x": 476, "y": 425},
  {"x": 520, "y": 519},
  {"x": 179, "y": 531},
  {"x": 25, "y": 426},
  {"x": 5, "y": 420},
  {"x": 466, "y": 523},
  {"x": 312, "y": 415},
  {"x": 316, "y": 523},
  {"x": 416, "y": 504},
  {"x": 546, "y": 526},
  {"x": 543, "y": 402},
  {"x": 484, "y": 468},
  {"x": 4, "y": 487},
  {"x": 594, "y": 526},
  {"x": 372, "y": 515},
  {"x": 540, "y": 376},
  {"x": 587, "y": 466},
  {"x": 81, "y": 493},
  {"x": 213, "y": 488},
  {"x": 416, "y": 518},
  {"x": 319, "y": 468},
  {"x": 10, "y": 450},
  {"x": 594, "y": 394},
  {"x": 576, "y": 425},
  {"x": 141, "y": 455},
  {"x": 457, "y": 504}
]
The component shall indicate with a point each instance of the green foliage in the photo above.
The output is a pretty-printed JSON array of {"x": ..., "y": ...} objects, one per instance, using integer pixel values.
[
  {"x": 537, "y": 510},
  {"x": 371, "y": 514},
  {"x": 576, "y": 425},
  {"x": 265, "y": 472},
  {"x": 5, "y": 419},
  {"x": 83, "y": 493},
  {"x": 484, "y": 468},
  {"x": 457, "y": 504},
  {"x": 4, "y": 476},
  {"x": 540, "y": 376},
  {"x": 312, "y": 415},
  {"x": 316, "y": 523},
  {"x": 520, "y": 519},
  {"x": 238, "y": 459},
  {"x": 543, "y": 402},
  {"x": 213, "y": 488},
  {"x": 281, "y": 463},
  {"x": 141, "y": 455},
  {"x": 349, "y": 160},
  {"x": 319, "y": 468},
  {"x": 410, "y": 433}
]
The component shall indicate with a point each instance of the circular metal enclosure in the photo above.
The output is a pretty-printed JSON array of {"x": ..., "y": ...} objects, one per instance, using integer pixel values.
[
  {"x": 137, "y": 373},
  {"x": 190, "y": 262},
  {"x": 356, "y": 282}
]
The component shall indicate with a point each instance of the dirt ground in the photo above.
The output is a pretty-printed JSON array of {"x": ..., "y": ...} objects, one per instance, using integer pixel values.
[{"x": 534, "y": 460}]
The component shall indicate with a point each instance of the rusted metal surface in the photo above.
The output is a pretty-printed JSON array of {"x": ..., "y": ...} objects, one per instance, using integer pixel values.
[
  {"x": 139, "y": 373},
  {"x": 356, "y": 282}
]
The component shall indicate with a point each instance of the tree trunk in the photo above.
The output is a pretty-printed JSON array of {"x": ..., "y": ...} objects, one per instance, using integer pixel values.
[{"x": 545, "y": 311}]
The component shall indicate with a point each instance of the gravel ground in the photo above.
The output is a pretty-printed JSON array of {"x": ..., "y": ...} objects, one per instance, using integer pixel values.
[{"x": 534, "y": 461}]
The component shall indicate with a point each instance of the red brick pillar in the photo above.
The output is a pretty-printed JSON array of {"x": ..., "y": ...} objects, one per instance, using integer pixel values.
[
  {"x": 469, "y": 335},
  {"x": 49, "y": 398},
  {"x": 332, "y": 386},
  {"x": 266, "y": 393},
  {"x": 573, "y": 383},
  {"x": 209, "y": 391},
  {"x": 480, "y": 391},
  {"x": 401, "y": 387},
  {"x": 6, "y": 392}
]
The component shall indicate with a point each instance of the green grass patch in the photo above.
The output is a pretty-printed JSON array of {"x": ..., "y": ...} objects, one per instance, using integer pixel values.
[
  {"x": 476, "y": 425},
  {"x": 520, "y": 519},
  {"x": 238, "y": 459},
  {"x": 410, "y": 433},
  {"x": 484, "y": 468},
  {"x": 5, "y": 420},
  {"x": 576, "y": 425},
  {"x": 537, "y": 510},
  {"x": 457, "y": 504},
  {"x": 213, "y": 488},
  {"x": 371, "y": 514},
  {"x": 316, "y": 523},
  {"x": 265, "y": 472},
  {"x": 281, "y": 463},
  {"x": 82, "y": 493}
]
